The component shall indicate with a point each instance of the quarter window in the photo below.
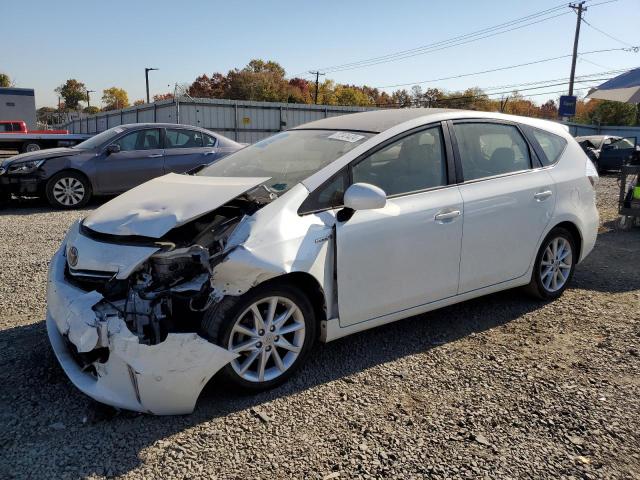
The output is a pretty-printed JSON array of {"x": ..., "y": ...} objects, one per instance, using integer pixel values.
[
  {"x": 552, "y": 146},
  {"x": 209, "y": 141},
  {"x": 140, "y": 140},
  {"x": 416, "y": 162},
  {"x": 329, "y": 195},
  {"x": 488, "y": 149},
  {"x": 183, "y": 138}
]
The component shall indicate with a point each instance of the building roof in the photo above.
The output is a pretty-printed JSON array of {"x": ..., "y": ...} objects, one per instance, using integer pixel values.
[{"x": 374, "y": 121}]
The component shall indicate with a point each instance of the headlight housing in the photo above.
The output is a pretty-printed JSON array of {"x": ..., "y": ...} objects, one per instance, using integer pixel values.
[{"x": 28, "y": 166}]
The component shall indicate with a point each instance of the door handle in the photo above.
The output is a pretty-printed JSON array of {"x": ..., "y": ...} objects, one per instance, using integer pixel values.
[
  {"x": 210, "y": 153},
  {"x": 444, "y": 215},
  {"x": 155, "y": 155},
  {"x": 540, "y": 196}
]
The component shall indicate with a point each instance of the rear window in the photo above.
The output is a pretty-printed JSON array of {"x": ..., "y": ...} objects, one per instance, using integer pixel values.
[{"x": 552, "y": 146}]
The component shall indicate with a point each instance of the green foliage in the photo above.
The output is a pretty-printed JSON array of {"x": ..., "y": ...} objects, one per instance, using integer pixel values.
[
  {"x": 91, "y": 110},
  {"x": 114, "y": 98},
  {"x": 73, "y": 92},
  {"x": 5, "y": 81}
]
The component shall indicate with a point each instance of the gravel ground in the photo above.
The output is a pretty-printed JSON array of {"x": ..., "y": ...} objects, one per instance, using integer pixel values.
[{"x": 498, "y": 387}]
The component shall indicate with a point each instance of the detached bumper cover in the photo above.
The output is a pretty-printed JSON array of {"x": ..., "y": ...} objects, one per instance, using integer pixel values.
[{"x": 163, "y": 379}]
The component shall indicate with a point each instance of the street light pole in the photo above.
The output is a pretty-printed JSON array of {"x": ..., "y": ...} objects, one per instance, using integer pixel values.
[
  {"x": 146, "y": 77},
  {"x": 88, "y": 101}
]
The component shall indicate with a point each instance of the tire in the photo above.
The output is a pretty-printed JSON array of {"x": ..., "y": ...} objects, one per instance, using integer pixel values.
[
  {"x": 5, "y": 198},
  {"x": 231, "y": 324},
  {"x": 67, "y": 190},
  {"x": 30, "y": 147},
  {"x": 549, "y": 278}
]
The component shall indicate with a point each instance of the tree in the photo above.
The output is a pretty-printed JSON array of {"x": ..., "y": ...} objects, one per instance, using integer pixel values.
[
  {"x": 163, "y": 96},
  {"x": 5, "y": 81},
  {"x": 45, "y": 114},
  {"x": 416, "y": 95},
  {"x": 114, "y": 98},
  {"x": 139, "y": 102},
  {"x": 614, "y": 113},
  {"x": 73, "y": 92},
  {"x": 92, "y": 110},
  {"x": 549, "y": 110}
]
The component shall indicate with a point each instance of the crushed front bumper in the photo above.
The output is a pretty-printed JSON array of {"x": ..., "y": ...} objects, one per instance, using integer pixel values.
[{"x": 162, "y": 379}]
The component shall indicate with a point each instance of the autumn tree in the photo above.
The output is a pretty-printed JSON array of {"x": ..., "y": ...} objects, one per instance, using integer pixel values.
[
  {"x": 163, "y": 96},
  {"x": 5, "y": 81},
  {"x": 92, "y": 110},
  {"x": 114, "y": 98},
  {"x": 139, "y": 102},
  {"x": 73, "y": 92}
]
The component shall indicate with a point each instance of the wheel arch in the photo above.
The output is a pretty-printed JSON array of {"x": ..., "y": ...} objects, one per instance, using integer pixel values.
[
  {"x": 76, "y": 171},
  {"x": 573, "y": 229},
  {"x": 310, "y": 286}
]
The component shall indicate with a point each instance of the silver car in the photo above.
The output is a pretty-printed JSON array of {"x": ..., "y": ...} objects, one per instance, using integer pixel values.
[{"x": 318, "y": 232}]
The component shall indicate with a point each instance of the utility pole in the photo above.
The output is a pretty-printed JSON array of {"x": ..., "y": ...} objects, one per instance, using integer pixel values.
[
  {"x": 88, "y": 101},
  {"x": 146, "y": 77},
  {"x": 317, "y": 74},
  {"x": 579, "y": 8}
]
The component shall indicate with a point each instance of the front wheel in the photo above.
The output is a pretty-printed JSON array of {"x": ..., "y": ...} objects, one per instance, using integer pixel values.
[
  {"x": 30, "y": 147},
  {"x": 271, "y": 328},
  {"x": 68, "y": 190},
  {"x": 554, "y": 265}
]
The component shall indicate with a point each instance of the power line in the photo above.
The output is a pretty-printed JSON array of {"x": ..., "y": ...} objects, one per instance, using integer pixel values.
[
  {"x": 606, "y": 34},
  {"x": 420, "y": 50},
  {"x": 508, "y": 67}
]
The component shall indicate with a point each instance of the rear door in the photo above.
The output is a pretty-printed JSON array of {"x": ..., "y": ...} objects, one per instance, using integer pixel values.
[
  {"x": 508, "y": 201},
  {"x": 186, "y": 149},
  {"x": 140, "y": 159}
]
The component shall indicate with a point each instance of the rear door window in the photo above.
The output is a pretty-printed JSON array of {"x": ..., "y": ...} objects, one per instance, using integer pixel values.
[
  {"x": 490, "y": 149},
  {"x": 178, "y": 138}
]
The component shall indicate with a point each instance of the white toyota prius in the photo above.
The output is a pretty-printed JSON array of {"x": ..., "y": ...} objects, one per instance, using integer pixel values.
[{"x": 318, "y": 232}]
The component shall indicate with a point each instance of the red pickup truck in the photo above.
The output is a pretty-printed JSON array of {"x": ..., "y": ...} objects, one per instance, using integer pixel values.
[{"x": 14, "y": 135}]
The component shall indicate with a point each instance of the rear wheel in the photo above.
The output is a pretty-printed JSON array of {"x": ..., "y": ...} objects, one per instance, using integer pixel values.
[
  {"x": 30, "y": 147},
  {"x": 68, "y": 190},
  {"x": 271, "y": 328},
  {"x": 554, "y": 265}
]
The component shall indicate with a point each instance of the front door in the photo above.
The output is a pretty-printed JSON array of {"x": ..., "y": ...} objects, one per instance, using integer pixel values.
[
  {"x": 408, "y": 253},
  {"x": 507, "y": 204},
  {"x": 140, "y": 159}
]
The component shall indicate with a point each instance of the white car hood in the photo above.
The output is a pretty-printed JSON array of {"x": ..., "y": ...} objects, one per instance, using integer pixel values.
[{"x": 157, "y": 206}]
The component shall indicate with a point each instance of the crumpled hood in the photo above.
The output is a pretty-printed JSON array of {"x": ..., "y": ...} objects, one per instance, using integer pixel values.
[
  {"x": 161, "y": 204},
  {"x": 41, "y": 154}
]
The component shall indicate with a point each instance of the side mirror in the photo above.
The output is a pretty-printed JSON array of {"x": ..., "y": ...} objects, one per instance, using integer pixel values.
[
  {"x": 113, "y": 148},
  {"x": 364, "y": 196}
]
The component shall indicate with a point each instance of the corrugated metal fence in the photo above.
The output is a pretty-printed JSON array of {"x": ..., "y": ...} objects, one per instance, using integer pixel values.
[
  {"x": 243, "y": 121},
  {"x": 577, "y": 130}
]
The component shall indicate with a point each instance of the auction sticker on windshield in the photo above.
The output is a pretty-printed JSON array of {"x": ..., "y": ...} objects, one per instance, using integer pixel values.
[{"x": 346, "y": 137}]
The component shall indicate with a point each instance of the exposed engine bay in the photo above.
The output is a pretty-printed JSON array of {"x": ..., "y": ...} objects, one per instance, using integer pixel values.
[{"x": 170, "y": 291}]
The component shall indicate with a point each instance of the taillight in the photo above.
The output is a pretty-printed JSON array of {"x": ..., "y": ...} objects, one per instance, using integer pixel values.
[{"x": 592, "y": 173}]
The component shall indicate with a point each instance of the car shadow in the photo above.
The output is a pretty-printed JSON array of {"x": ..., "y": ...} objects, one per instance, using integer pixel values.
[{"x": 33, "y": 386}]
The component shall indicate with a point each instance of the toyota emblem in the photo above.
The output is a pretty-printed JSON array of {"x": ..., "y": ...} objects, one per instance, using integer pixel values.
[{"x": 72, "y": 256}]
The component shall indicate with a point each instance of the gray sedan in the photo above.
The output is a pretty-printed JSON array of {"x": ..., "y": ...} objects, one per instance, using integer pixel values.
[{"x": 111, "y": 162}]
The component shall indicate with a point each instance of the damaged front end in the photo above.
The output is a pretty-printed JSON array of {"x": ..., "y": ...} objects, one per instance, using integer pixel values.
[{"x": 124, "y": 310}]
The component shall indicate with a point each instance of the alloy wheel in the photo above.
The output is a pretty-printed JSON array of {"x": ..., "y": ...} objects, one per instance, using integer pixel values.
[
  {"x": 268, "y": 336},
  {"x": 68, "y": 191},
  {"x": 556, "y": 264}
]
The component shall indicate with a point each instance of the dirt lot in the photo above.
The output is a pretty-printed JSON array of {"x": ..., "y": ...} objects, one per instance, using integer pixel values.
[{"x": 499, "y": 387}]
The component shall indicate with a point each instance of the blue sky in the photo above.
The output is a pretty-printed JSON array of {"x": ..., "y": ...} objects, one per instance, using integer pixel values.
[{"x": 108, "y": 43}]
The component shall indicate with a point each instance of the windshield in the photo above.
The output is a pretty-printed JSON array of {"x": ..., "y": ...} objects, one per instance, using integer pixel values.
[
  {"x": 288, "y": 157},
  {"x": 99, "y": 139}
]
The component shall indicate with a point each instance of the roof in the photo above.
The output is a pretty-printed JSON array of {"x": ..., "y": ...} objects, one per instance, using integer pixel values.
[
  {"x": 593, "y": 137},
  {"x": 374, "y": 121}
]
